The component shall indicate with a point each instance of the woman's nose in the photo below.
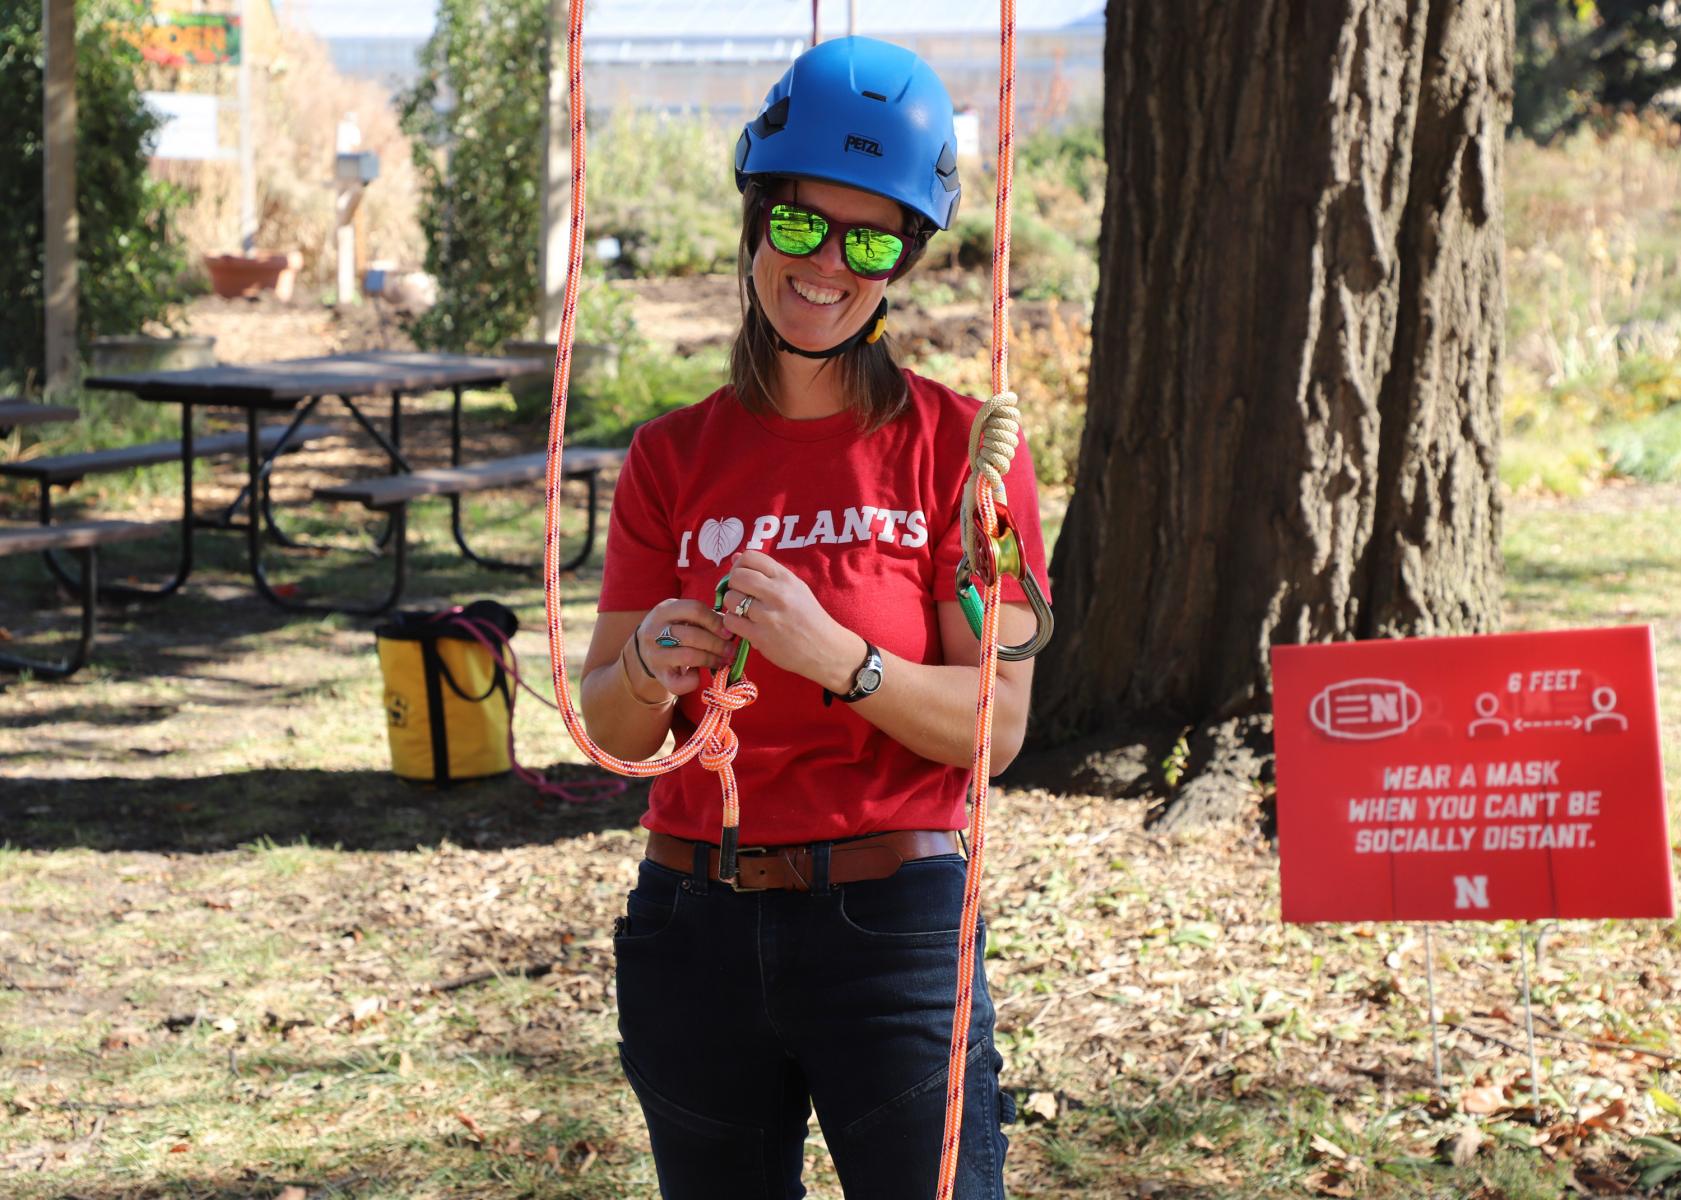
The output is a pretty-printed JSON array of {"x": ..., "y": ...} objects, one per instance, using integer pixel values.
[{"x": 830, "y": 258}]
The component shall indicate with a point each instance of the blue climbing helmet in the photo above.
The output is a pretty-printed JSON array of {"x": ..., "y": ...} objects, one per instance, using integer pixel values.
[{"x": 863, "y": 113}]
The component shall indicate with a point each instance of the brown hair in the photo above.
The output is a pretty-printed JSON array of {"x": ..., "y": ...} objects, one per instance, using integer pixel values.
[{"x": 871, "y": 381}]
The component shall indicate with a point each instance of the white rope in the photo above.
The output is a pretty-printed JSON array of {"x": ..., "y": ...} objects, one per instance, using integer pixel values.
[{"x": 993, "y": 439}]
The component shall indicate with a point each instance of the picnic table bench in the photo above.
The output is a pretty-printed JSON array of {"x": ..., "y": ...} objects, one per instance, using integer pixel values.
[
  {"x": 392, "y": 493},
  {"x": 15, "y": 412},
  {"x": 62, "y": 470},
  {"x": 83, "y": 539}
]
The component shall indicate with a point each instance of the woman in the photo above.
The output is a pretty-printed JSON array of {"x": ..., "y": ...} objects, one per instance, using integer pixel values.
[{"x": 826, "y": 481}]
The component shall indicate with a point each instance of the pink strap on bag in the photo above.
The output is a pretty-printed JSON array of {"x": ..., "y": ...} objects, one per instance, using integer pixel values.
[{"x": 501, "y": 649}]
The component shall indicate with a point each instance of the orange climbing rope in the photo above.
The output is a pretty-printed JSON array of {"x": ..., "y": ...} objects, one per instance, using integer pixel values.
[
  {"x": 982, "y": 491},
  {"x": 991, "y": 442},
  {"x": 713, "y": 741}
]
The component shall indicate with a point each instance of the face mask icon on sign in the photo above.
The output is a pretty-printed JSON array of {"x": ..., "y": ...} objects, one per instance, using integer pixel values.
[{"x": 1365, "y": 709}]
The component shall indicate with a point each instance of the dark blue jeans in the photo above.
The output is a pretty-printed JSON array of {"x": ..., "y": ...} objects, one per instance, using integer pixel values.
[{"x": 741, "y": 1012}]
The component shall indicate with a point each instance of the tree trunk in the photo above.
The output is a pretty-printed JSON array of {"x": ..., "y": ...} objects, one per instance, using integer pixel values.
[{"x": 1292, "y": 420}]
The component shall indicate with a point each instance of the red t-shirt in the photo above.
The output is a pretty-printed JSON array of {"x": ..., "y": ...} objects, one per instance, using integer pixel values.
[{"x": 870, "y": 522}]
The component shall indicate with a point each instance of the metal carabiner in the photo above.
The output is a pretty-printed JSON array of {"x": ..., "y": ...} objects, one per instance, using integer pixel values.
[
  {"x": 974, "y": 610},
  {"x": 739, "y": 667},
  {"x": 1002, "y": 555}
]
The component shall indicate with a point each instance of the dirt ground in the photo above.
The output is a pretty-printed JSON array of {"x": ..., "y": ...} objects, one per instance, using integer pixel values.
[{"x": 681, "y": 314}]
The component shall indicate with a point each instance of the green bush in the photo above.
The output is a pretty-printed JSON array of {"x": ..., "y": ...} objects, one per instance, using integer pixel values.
[
  {"x": 479, "y": 159},
  {"x": 647, "y": 385},
  {"x": 1648, "y": 450},
  {"x": 663, "y": 186},
  {"x": 130, "y": 262},
  {"x": 1055, "y": 213},
  {"x": 1578, "y": 56}
]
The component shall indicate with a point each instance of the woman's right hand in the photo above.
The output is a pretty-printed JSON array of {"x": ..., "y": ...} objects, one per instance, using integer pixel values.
[{"x": 703, "y": 643}]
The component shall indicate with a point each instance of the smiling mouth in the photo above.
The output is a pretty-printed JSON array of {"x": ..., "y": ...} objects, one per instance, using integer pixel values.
[{"x": 813, "y": 294}]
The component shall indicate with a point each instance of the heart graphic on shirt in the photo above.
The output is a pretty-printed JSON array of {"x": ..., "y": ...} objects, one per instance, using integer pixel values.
[{"x": 718, "y": 539}]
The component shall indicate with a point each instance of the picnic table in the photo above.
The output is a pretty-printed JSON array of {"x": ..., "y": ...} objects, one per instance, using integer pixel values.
[
  {"x": 82, "y": 539},
  {"x": 297, "y": 387}
]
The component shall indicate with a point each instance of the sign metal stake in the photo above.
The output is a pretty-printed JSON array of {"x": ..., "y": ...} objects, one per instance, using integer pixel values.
[
  {"x": 1529, "y": 1019},
  {"x": 1430, "y": 993}
]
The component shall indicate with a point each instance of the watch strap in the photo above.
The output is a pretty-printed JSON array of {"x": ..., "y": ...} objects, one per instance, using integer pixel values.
[{"x": 871, "y": 656}]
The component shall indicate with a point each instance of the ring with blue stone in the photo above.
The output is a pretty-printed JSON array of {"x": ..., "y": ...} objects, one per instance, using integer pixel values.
[{"x": 667, "y": 639}]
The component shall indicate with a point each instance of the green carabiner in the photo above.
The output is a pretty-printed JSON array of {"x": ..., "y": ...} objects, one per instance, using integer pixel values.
[
  {"x": 739, "y": 667},
  {"x": 968, "y": 598}
]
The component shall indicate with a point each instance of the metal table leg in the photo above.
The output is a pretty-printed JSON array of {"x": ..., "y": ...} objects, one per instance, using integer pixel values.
[
  {"x": 88, "y": 591},
  {"x": 259, "y": 574},
  {"x": 184, "y": 564}
]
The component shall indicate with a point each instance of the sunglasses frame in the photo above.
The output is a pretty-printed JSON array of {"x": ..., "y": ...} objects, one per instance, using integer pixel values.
[{"x": 843, "y": 228}]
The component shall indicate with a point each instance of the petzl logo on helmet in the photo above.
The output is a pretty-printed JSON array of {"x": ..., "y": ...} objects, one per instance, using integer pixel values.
[
  {"x": 857, "y": 144},
  {"x": 1363, "y": 709}
]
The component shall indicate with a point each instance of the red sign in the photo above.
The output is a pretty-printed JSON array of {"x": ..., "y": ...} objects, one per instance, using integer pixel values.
[{"x": 1512, "y": 776}]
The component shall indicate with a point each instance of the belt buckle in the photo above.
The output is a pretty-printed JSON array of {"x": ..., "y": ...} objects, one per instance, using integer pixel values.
[{"x": 744, "y": 852}]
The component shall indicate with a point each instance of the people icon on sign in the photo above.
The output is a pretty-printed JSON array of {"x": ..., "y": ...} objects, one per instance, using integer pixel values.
[
  {"x": 1487, "y": 724},
  {"x": 1606, "y": 718}
]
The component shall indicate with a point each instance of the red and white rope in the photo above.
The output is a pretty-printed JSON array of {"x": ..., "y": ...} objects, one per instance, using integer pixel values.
[
  {"x": 713, "y": 741},
  {"x": 979, "y": 491}
]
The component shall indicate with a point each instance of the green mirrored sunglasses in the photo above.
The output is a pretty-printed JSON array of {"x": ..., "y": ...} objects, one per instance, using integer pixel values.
[{"x": 870, "y": 253}]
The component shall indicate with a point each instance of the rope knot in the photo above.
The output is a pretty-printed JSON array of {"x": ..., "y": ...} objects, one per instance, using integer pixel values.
[
  {"x": 720, "y": 750},
  {"x": 993, "y": 438},
  {"x": 731, "y": 698}
]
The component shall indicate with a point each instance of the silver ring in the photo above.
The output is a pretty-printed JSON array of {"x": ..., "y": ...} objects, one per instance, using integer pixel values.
[
  {"x": 746, "y": 603},
  {"x": 667, "y": 639}
]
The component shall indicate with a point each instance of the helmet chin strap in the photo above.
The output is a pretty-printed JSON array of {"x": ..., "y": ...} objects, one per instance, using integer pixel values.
[{"x": 871, "y": 332}]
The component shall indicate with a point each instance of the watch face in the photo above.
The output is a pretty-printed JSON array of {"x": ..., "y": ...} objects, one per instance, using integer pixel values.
[{"x": 869, "y": 679}]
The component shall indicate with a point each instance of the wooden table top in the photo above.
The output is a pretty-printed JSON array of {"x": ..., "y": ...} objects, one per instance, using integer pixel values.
[{"x": 283, "y": 383}]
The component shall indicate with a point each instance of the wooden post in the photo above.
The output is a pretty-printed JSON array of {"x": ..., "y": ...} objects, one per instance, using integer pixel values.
[
  {"x": 58, "y": 22},
  {"x": 556, "y": 246},
  {"x": 247, "y": 143}
]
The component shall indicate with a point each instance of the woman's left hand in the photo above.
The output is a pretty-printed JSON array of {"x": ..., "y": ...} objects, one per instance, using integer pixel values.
[{"x": 786, "y": 624}]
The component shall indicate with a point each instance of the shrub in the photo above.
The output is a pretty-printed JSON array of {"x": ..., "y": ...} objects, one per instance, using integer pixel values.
[
  {"x": 1056, "y": 211},
  {"x": 663, "y": 186},
  {"x": 479, "y": 160},
  {"x": 647, "y": 385},
  {"x": 129, "y": 260},
  {"x": 1048, "y": 372}
]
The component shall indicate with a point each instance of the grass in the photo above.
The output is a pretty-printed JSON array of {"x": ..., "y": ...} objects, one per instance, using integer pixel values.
[
  {"x": 1612, "y": 563},
  {"x": 222, "y": 946},
  {"x": 1593, "y": 368}
]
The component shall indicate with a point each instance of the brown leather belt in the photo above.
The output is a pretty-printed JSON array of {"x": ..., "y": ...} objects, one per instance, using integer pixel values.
[{"x": 762, "y": 868}]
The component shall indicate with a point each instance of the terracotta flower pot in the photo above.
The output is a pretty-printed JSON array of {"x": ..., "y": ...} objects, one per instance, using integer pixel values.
[{"x": 234, "y": 275}]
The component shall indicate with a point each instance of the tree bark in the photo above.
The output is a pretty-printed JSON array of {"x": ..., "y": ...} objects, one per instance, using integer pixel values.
[{"x": 1292, "y": 421}]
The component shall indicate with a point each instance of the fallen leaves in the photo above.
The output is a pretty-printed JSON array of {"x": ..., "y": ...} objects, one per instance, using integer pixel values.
[
  {"x": 578, "y": 1157},
  {"x": 1041, "y": 1105},
  {"x": 1482, "y": 1100},
  {"x": 1342, "y": 1172}
]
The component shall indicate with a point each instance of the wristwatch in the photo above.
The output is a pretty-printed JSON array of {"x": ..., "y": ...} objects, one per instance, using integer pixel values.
[{"x": 865, "y": 680}]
